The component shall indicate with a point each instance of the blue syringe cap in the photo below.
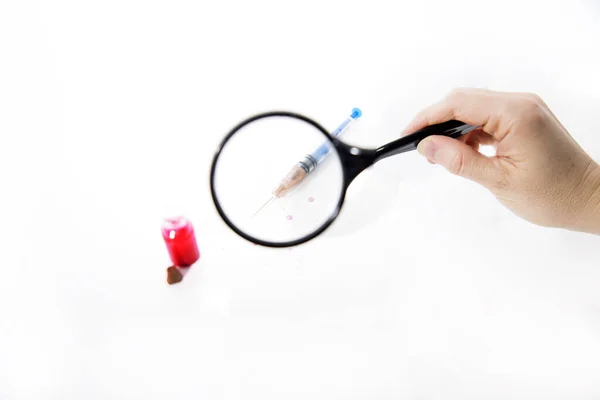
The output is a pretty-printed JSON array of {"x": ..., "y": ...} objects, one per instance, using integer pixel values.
[{"x": 356, "y": 113}]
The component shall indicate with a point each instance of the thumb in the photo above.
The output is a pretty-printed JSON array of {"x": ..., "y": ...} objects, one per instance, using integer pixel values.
[{"x": 458, "y": 158}]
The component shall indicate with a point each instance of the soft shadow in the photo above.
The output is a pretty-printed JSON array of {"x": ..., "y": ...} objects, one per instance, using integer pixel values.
[{"x": 373, "y": 194}]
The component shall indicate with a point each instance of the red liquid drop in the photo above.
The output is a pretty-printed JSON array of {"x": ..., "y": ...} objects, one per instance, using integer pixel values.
[
  {"x": 311, "y": 199},
  {"x": 289, "y": 217}
]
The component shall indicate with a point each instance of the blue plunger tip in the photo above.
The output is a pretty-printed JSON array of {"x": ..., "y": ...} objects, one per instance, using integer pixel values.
[{"x": 356, "y": 113}]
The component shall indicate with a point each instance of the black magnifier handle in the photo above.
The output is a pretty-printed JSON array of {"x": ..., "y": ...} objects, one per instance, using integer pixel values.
[{"x": 410, "y": 142}]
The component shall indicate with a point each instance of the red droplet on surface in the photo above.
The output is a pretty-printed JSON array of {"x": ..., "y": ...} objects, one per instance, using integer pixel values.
[
  {"x": 311, "y": 199},
  {"x": 178, "y": 234},
  {"x": 289, "y": 217}
]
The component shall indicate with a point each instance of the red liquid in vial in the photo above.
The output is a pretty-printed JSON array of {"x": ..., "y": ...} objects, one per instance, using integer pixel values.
[{"x": 178, "y": 234}]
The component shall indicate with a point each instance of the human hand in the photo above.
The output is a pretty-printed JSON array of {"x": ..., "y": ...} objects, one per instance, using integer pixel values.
[{"x": 538, "y": 172}]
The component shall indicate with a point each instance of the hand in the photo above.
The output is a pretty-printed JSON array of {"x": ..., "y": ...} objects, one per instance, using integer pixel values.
[{"x": 539, "y": 172}]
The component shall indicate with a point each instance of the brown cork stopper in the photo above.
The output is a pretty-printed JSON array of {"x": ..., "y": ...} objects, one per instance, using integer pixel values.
[{"x": 174, "y": 275}]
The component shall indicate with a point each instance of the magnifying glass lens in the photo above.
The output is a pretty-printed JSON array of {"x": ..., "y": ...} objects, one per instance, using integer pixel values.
[{"x": 287, "y": 163}]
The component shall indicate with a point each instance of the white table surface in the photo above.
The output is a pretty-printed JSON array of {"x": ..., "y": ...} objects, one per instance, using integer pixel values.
[{"x": 425, "y": 288}]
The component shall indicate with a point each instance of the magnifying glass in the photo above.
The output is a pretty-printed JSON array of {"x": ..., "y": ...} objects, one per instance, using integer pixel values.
[{"x": 300, "y": 169}]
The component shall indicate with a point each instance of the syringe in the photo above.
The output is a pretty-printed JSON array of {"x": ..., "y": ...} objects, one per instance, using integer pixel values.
[{"x": 304, "y": 167}]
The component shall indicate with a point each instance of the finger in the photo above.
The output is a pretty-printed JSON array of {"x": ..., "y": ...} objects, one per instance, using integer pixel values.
[
  {"x": 472, "y": 142},
  {"x": 480, "y": 137},
  {"x": 460, "y": 159},
  {"x": 420, "y": 121},
  {"x": 479, "y": 107}
]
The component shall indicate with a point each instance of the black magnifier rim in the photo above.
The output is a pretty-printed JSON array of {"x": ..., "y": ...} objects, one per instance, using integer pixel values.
[{"x": 222, "y": 214}]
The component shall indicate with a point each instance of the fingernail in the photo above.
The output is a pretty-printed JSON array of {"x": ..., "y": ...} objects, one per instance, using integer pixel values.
[{"x": 427, "y": 149}]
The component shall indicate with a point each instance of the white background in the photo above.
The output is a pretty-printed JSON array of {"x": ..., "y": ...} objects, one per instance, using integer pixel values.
[{"x": 425, "y": 288}]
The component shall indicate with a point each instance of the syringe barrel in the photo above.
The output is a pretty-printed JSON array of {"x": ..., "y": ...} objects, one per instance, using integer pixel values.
[
  {"x": 320, "y": 153},
  {"x": 310, "y": 161}
]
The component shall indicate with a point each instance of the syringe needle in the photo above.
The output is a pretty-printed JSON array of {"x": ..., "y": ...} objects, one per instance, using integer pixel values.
[
  {"x": 264, "y": 205},
  {"x": 287, "y": 184}
]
